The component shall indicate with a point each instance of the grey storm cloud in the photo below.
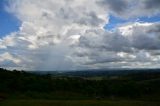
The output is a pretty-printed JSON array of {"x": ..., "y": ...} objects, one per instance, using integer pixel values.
[
  {"x": 141, "y": 37},
  {"x": 107, "y": 41},
  {"x": 151, "y": 4},
  {"x": 131, "y": 8},
  {"x": 146, "y": 38},
  {"x": 117, "y": 6},
  {"x": 133, "y": 47}
]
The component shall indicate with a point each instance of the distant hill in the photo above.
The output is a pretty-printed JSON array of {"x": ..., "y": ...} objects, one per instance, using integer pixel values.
[{"x": 93, "y": 73}]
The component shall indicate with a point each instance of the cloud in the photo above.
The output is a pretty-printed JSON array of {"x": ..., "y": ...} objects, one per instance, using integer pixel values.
[
  {"x": 8, "y": 60},
  {"x": 131, "y": 8},
  {"x": 150, "y": 4},
  {"x": 129, "y": 44},
  {"x": 69, "y": 34},
  {"x": 49, "y": 29},
  {"x": 116, "y": 6}
]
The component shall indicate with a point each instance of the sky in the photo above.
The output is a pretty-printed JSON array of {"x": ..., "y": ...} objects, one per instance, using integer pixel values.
[
  {"x": 79, "y": 34},
  {"x": 8, "y": 22}
]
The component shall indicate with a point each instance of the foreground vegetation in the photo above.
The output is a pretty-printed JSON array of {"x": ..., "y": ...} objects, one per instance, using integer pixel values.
[
  {"x": 19, "y": 88},
  {"x": 77, "y": 103}
]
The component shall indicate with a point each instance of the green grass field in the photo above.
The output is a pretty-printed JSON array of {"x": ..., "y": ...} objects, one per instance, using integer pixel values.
[{"x": 77, "y": 103}]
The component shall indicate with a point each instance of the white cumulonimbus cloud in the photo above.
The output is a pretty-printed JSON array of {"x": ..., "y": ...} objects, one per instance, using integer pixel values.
[{"x": 69, "y": 34}]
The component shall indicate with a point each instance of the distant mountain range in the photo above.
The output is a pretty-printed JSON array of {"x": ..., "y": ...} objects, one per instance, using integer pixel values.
[{"x": 96, "y": 72}]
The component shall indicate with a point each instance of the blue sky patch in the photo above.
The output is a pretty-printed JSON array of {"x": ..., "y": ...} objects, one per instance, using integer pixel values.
[
  {"x": 150, "y": 19},
  {"x": 115, "y": 21},
  {"x": 8, "y": 22}
]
